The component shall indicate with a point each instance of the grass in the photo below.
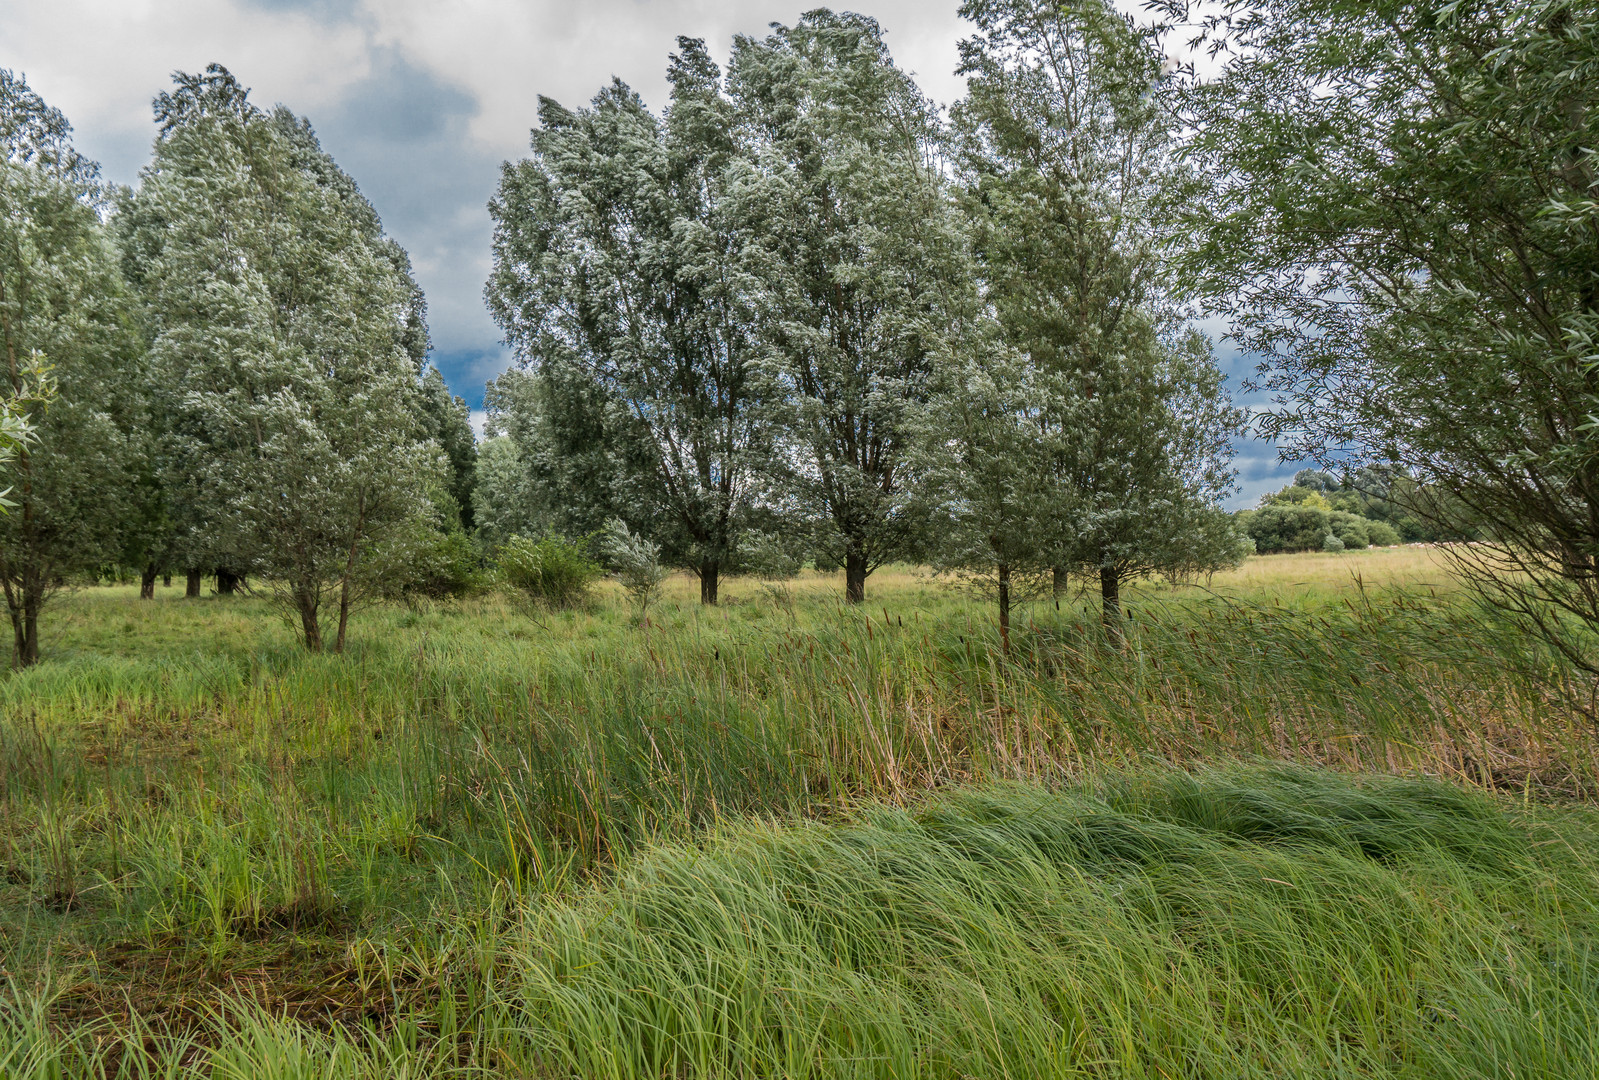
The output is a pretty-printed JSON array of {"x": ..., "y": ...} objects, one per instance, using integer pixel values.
[{"x": 785, "y": 837}]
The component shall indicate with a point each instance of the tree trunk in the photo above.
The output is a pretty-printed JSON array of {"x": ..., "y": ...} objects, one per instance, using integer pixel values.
[
  {"x": 344, "y": 615},
  {"x": 349, "y": 574},
  {"x": 147, "y": 583},
  {"x": 710, "y": 570},
  {"x": 1060, "y": 583},
  {"x": 227, "y": 582},
  {"x": 1004, "y": 607},
  {"x": 166, "y": 580},
  {"x": 306, "y": 602},
  {"x": 24, "y": 598},
  {"x": 1110, "y": 600},
  {"x": 28, "y": 647},
  {"x": 855, "y": 577},
  {"x": 191, "y": 584}
]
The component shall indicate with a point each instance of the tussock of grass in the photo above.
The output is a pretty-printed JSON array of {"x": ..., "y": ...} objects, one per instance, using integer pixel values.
[{"x": 1239, "y": 922}]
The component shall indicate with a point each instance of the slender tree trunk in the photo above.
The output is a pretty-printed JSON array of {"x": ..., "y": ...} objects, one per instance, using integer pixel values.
[
  {"x": 191, "y": 584},
  {"x": 24, "y": 598},
  {"x": 28, "y": 647},
  {"x": 855, "y": 577},
  {"x": 306, "y": 601},
  {"x": 166, "y": 580},
  {"x": 344, "y": 614},
  {"x": 147, "y": 583},
  {"x": 1004, "y": 607},
  {"x": 710, "y": 570},
  {"x": 227, "y": 582},
  {"x": 1060, "y": 583},
  {"x": 1110, "y": 601},
  {"x": 349, "y": 573}
]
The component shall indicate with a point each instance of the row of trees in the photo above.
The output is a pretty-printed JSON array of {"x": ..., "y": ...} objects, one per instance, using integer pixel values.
[
  {"x": 800, "y": 304},
  {"x": 801, "y": 308},
  {"x": 222, "y": 370}
]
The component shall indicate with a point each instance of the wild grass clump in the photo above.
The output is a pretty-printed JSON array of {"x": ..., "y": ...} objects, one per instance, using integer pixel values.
[{"x": 1264, "y": 922}]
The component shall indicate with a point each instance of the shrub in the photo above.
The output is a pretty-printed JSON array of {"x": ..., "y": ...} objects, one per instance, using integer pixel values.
[
  {"x": 771, "y": 557},
  {"x": 551, "y": 570},
  {"x": 1330, "y": 542},
  {"x": 636, "y": 561},
  {"x": 1286, "y": 527},
  {"x": 1349, "y": 528},
  {"x": 1381, "y": 534},
  {"x": 450, "y": 566}
]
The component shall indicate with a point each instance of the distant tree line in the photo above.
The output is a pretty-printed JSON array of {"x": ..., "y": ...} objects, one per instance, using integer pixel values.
[{"x": 1368, "y": 507}]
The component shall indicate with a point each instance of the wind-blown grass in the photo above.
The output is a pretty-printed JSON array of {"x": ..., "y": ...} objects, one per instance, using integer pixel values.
[
  {"x": 1238, "y": 922},
  {"x": 194, "y": 811}
]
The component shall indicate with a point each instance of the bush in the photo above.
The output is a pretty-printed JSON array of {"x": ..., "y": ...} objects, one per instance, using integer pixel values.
[
  {"x": 552, "y": 570},
  {"x": 636, "y": 562},
  {"x": 771, "y": 557},
  {"x": 1381, "y": 534},
  {"x": 1286, "y": 527},
  {"x": 451, "y": 566},
  {"x": 1349, "y": 528},
  {"x": 1330, "y": 542}
]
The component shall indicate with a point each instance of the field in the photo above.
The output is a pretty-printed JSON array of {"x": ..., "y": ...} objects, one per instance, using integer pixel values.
[{"x": 1320, "y": 817}]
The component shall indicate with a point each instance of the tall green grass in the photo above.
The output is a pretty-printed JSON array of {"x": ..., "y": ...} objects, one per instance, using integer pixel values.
[
  {"x": 1263, "y": 921},
  {"x": 194, "y": 811}
]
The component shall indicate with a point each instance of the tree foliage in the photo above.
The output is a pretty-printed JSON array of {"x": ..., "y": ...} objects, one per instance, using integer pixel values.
[
  {"x": 613, "y": 255},
  {"x": 860, "y": 259},
  {"x": 284, "y": 331},
  {"x": 1403, "y": 218},
  {"x": 70, "y": 365},
  {"x": 1069, "y": 159}
]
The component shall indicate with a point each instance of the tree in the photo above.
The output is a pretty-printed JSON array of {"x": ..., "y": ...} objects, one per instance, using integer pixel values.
[
  {"x": 283, "y": 329},
  {"x": 446, "y": 419},
  {"x": 558, "y": 458},
  {"x": 985, "y": 464},
  {"x": 1401, "y": 217},
  {"x": 613, "y": 256},
  {"x": 857, "y": 250},
  {"x": 1068, "y": 158},
  {"x": 70, "y": 364}
]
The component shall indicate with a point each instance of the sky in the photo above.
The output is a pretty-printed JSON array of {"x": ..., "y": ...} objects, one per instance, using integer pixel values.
[{"x": 421, "y": 101}]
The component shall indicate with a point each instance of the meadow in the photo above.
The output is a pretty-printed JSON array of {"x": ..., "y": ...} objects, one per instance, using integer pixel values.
[{"x": 1320, "y": 816}]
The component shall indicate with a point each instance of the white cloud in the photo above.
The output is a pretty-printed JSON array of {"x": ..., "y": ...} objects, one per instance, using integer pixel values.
[{"x": 101, "y": 61}]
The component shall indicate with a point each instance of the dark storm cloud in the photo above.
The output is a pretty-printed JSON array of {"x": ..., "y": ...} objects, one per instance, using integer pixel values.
[{"x": 403, "y": 133}]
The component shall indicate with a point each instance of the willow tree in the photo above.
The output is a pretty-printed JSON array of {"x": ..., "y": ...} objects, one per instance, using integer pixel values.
[
  {"x": 614, "y": 258},
  {"x": 70, "y": 364},
  {"x": 282, "y": 324},
  {"x": 1403, "y": 218},
  {"x": 1068, "y": 154},
  {"x": 857, "y": 250}
]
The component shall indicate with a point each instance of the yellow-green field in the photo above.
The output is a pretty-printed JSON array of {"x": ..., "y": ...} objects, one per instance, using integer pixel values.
[{"x": 1318, "y": 816}]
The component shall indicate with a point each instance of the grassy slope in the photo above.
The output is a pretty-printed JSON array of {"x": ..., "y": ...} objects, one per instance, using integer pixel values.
[{"x": 192, "y": 806}]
